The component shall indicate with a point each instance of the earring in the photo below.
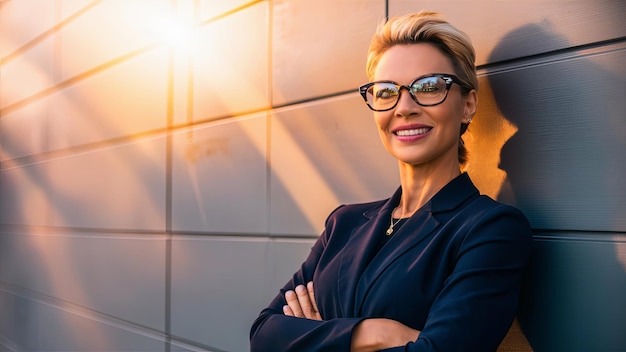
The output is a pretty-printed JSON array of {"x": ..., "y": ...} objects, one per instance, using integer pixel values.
[{"x": 469, "y": 120}]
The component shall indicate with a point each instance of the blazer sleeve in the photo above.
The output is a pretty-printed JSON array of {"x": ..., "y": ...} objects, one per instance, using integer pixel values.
[
  {"x": 479, "y": 299},
  {"x": 274, "y": 331}
]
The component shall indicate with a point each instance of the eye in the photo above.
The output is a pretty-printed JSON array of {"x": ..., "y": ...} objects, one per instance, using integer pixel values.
[
  {"x": 428, "y": 86},
  {"x": 385, "y": 92},
  {"x": 425, "y": 89}
]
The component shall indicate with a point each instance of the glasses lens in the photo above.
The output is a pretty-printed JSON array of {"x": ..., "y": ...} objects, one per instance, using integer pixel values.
[
  {"x": 381, "y": 96},
  {"x": 429, "y": 90}
]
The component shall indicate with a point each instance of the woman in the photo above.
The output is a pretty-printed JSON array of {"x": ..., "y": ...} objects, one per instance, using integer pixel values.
[{"x": 436, "y": 267}]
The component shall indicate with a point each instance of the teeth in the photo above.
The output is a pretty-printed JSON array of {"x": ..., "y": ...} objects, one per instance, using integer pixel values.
[{"x": 412, "y": 132}]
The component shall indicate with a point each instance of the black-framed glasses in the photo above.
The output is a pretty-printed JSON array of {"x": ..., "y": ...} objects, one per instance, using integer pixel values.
[{"x": 427, "y": 90}]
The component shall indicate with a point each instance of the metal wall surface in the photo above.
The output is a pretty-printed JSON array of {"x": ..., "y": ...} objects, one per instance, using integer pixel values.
[{"x": 155, "y": 197}]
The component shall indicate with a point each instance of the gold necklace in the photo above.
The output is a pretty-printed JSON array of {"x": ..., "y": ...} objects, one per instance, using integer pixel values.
[{"x": 392, "y": 224}]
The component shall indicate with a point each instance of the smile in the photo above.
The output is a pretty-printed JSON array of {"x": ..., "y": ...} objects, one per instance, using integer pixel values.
[{"x": 412, "y": 132}]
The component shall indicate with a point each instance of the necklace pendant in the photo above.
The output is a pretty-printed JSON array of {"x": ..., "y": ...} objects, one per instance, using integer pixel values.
[{"x": 389, "y": 230}]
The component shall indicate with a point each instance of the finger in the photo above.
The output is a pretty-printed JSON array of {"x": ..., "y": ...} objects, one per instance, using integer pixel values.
[
  {"x": 294, "y": 304},
  {"x": 305, "y": 302},
  {"x": 309, "y": 288},
  {"x": 287, "y": 310}
]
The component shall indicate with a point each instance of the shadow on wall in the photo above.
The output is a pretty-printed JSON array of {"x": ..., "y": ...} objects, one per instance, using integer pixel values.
[{"x": 565, "y": 168}]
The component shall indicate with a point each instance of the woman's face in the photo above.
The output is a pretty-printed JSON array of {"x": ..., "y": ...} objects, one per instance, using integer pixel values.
[{"x": 414, "y": 134}]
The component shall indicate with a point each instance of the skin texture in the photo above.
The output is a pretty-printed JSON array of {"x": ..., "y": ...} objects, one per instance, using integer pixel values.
[
  {"x": 301, "y": 303},
  {"x": 427, "y": 163}
]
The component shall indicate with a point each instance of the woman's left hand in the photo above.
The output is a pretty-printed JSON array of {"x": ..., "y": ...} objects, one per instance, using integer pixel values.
[{"x": 301, "y": 303}]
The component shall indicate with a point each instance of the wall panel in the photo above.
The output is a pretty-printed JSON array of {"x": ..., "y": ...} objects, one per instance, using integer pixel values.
[
  {"x": 130, "y": 25},
  {"x": 323, "y": 154},
  {"x": 119, "y": 276},
  {"x": 71, "y": 8},
  {"x": 99, "y": 108},
  {"x": 121, "y": 187},
  {"x": 24, "y": 131},
  {"x": 92, "y": 110},
  {"x": 26, "y": 196},
  {"x": 312, "y": 59},
  {"x": 231, "y": 66},
  {"x": 212, "y": 306},
  {"x": 578, "y": 282},
  {"x": 210, "y": 9},
  {"x": 72, "y": 182},
  {"x": 19, "y": 327},
  {"x": 285, "y": 255},
  {"x": 217, "y": 308},
  {"x": 219, "y": 177},
  {"x": 27, "y": 74},
  {"x": 487, "y": 22},
  {"x": 565, "y": 162},
  {"x": 69, "y": 331},
  {"x": 15, "y": 31}
]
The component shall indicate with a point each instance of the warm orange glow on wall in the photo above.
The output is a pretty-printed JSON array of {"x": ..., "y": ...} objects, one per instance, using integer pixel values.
[
  {"x": 488, "y": 133},
  {"x": 177, "y": 35},
  {"x": 172, "y": 27}
]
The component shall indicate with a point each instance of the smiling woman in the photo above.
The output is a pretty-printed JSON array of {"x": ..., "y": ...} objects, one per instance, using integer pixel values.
[{"x": 452, "y": 259}]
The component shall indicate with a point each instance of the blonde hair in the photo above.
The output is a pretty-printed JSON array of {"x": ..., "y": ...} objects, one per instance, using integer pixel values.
[{"x": 428, "y": 27}]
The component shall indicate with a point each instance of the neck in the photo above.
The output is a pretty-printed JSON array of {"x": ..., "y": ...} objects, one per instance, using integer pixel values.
[{"x": 420, "y": 184}]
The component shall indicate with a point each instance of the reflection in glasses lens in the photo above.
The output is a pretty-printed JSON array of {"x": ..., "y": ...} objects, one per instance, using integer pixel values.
[{"x": 426, "y": 91}]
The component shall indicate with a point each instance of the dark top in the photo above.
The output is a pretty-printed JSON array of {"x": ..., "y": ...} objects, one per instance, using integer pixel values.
[{"x": 452, "y": 271}]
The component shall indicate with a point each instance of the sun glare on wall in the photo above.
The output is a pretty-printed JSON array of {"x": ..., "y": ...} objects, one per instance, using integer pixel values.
[{"x": 168, "y": 26}]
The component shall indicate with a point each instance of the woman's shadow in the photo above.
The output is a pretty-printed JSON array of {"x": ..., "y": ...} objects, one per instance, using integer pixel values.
[{"x": 565, "y": 168}]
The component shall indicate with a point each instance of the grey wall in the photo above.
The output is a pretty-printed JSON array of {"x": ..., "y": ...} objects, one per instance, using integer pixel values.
[{"x": 155, "y": 198}]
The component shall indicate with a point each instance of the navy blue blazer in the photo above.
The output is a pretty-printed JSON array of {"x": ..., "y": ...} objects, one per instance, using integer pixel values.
[{"x": 452, "y": 271}]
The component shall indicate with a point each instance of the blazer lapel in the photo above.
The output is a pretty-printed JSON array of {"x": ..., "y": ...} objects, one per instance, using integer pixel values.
[
  {"x": 418, "y": 228},
  {"x": 360, "y": 248},
  {"x": 414, "y": 231}
]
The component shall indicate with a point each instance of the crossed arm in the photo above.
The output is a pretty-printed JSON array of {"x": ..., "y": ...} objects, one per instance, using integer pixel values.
[
  {"x": 372, "y": 334},
  {"x": 472, "y": 311}
]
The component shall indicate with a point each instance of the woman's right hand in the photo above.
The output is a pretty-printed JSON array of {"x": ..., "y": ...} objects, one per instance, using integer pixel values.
[
  {"x": 301, "y": 303},
  {"x": 379, "y": 333}
]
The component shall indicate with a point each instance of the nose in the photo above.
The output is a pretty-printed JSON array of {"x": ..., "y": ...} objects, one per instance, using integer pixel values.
[{"x": 406, "y": 105}]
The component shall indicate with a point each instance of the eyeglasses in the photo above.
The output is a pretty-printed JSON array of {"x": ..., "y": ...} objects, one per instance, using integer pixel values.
[{"x": 428, "y": 90}]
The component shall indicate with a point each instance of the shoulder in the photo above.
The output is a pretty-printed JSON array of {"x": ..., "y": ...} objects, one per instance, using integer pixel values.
[
  {"x": 486, "y": 208},
  {"x": 341, "y": 222},
  {"x": 354, "y": 212},
  {"x": 486, "y": 221}
]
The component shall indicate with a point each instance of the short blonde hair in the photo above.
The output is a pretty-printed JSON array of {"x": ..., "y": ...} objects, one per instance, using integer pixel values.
[{"x": 428, "y": 27}]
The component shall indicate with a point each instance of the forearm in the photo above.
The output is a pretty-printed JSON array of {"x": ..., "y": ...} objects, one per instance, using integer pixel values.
[
  {"x": 379, "y": 333},
  {"x": 274, "y": 331}
]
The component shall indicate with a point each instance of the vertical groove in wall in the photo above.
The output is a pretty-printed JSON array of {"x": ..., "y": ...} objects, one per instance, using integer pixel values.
[
  {"x": 386, "y": 8},
  {"x": 189, "y": 98},
  {"x": 168, "y": 231},
  {"x": 168, "y": 194},
  {"x": 57, "y": 76},
  {"x": 168, "y": 215},
  {"x": 268, "y": 120}
]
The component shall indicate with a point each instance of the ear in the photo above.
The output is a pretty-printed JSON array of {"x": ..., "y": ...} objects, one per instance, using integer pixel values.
[{"x": 469, "y": 106}]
